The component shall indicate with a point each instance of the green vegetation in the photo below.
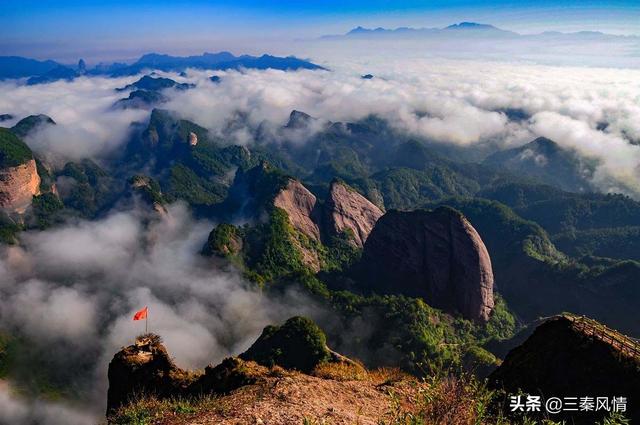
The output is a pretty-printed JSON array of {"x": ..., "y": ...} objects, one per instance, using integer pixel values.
[
  {"x": 404, "y": 188},
  {"x": 224, "y": 240},
  {"x": 150, "y": 410},
  {"x": 26, "y": 125},
  {"x": 298, "y": 344},
  {"x": 92, "y": 190},
  {"x": 9, "y": 229},
  {"x": 148, "y": 188},
  {"x": 273, "y": 251},
  {"x": 13, "y": 151},
  {"x": 6, "y": 353},
  {"x": 46, "y": 209},
  {"x": 617, "y": 242}
]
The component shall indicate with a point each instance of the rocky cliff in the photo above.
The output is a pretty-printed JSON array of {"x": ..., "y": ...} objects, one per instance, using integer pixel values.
[
  {"x": 19, "y": 180},
  {"x": 146, "y": 369},
  {"x": 18, "y": 185},
  {"x": 347, "y": 210},
  {"x": 436, "y": 255},
  {"x": 573, "y": 356},
  {"x": 300, "y": 205}
]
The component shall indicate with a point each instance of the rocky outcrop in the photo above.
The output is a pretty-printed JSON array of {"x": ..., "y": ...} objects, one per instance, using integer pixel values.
[
  {"x": 347, "y": 210},
  {"x": 193, "y": 139},
  {"x": 573, "y": 356},
  {"x": 146, "y": 369},
  {"x": 436, "y": 255},
  {"x": 18, "y": 185},
  {"x": 300, "y": 205},
  {"x": 299, "y": 120}
]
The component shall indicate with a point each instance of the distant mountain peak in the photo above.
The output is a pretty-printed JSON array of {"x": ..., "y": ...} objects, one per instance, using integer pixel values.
[{"x": 470, "y": 25}]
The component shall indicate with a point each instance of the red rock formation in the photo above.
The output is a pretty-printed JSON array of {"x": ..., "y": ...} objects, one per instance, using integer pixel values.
[
  {"x": 300, "y": 205},
  {"x": 18, "y": 185},
  {"x": 193, "y": 139},
  {"x": 435, "y": 255},
  {"x": 347, "y": 209}
]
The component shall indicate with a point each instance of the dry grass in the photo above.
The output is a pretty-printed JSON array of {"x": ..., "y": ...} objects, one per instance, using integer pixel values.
[
  {"x": 451, "y": 401},
  {"x": 341, "y": 371}
]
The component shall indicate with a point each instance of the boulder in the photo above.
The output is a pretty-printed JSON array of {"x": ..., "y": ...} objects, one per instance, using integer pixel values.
[
  {"x": 436, "y": 255},
  {"x": 347, "y": 210}
]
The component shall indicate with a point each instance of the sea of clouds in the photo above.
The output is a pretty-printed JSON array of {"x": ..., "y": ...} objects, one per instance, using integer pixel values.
[
  {"x": 71, "y": 291},
  {"x": 594, "y": 111}
]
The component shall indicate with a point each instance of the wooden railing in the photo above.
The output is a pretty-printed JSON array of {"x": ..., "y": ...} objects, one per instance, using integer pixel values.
[{"x": 624, "y": 344}]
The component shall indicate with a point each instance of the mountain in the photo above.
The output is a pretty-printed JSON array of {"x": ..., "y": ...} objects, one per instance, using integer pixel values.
[
  {"x": 212, "y": 61},
  {"x": 545, "y": 160},
  {"x": 31, "y": 123},
  {"x": 573, "y": 356},
  {"x": 141, "y": 99},
  {"x": 18, "y": 67},
  {"x": 468, "y": 30},
  {"x": 435, "y": 255},
  {"x": 19, "y": 179},
  {"x": 155, "y": 84},
  {"x": 56, "y": 74},
  {"x": 42, "y": 72}
]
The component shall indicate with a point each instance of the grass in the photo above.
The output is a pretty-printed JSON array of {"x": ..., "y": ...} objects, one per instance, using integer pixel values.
[
  {"x": 446, "y": 400},
  {"x": 341, "y": 371},
  {"x": 150, "y": 410}
]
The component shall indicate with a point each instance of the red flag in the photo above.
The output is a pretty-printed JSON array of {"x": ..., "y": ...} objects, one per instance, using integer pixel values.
[{"x": 142, "y": 314}]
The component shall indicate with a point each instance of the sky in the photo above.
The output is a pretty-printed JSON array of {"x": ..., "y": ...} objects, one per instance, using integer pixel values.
[{"x": 118, "y": 29}]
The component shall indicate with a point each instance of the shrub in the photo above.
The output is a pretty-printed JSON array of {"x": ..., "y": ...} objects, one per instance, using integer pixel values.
[{"x": 298, "y": 344}]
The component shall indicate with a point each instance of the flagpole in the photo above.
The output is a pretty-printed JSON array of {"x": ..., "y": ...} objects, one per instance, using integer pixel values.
[{"x": 146, "y": 322}]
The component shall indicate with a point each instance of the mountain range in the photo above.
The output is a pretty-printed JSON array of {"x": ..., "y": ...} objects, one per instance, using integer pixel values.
[
  {"x": 49, "y": 70},
  {"x": 473, "y": 29}
]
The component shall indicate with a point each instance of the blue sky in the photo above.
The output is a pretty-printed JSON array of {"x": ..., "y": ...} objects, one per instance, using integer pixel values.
[{"x": 38, "y": 28}]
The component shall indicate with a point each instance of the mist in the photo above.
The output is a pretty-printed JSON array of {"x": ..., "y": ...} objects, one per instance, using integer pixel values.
[{"x": 71, "y": 292}]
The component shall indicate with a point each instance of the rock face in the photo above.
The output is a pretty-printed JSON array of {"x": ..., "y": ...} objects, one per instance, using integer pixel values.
[
  {"x": 193, "y": 139},
  {"x": 347, "y": 209},
  {"x": 144, "y": 367},
  {"x": 300, "y": 205},
  {"x": 18, "y": 185},
  {"x": 569, "y": 356},
  {"x": 436, "y": 255}
]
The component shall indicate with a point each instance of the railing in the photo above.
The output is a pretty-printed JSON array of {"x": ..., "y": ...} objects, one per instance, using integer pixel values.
[{"x": 624, "y": 344}]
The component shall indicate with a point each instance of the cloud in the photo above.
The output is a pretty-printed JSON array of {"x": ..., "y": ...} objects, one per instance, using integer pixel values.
[
  {"x": 71, "y": 292},
  {"x": 18, "y": 411},
  {"x": 441, "y": 100},
  {"x": 87, "y": 125},
  {"x": 593, "y": 111}
]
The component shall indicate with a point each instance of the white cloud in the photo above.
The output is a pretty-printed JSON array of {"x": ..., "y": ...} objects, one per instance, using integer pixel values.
[{"x": 72, "y": 291}]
